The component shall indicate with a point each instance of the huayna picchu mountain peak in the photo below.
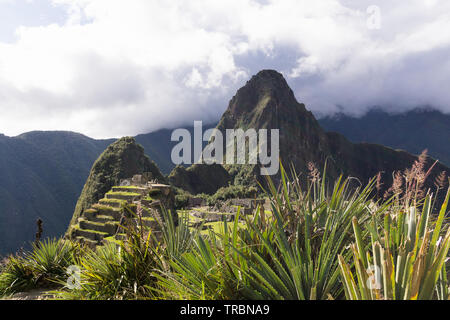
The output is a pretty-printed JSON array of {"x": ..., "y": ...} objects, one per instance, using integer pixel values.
[
  {"x": 267, "y": 102},
  {"x": 265, "y": 97}
]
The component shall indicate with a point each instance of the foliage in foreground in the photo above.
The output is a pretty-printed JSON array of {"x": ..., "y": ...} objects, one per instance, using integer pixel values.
[
  {"x": 129, "y": 270},
  {"x": 320, "y": 242},
  {"x": 404, "y": 262},
  {"x": 292, "y": 255},
  {"x": 42, "y": 267}
]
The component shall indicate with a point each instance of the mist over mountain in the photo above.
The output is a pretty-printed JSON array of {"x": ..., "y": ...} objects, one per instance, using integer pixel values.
[{"x": 113, "y": 60}]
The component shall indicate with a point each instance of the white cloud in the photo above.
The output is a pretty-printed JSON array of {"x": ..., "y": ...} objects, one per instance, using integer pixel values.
[{"x": 120, "y": 68}]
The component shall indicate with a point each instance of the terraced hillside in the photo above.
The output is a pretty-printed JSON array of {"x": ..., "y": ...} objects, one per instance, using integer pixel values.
[
  {"x": 121, "y": 208},
  {"x": 121, "y": 160}
]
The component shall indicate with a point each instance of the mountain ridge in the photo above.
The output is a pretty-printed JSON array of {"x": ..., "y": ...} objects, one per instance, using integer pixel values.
[
  {"x": 414, "y": 131},
  {"x": 40, "y": 182}
]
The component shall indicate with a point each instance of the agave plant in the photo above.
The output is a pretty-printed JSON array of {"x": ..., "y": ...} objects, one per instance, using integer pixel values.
[
  {"x": 44, "y": 266},
  {"x": 175, "y": 238},
  {"x": 405, "y": 259},
  {"x": 291, "y": 255},
  {"x": 310, "y": 229},
  {"x": 200, "y": 274},
  {"x": 16, "y": 276},
  {"x": 50, "y": 259},
  {"x": 129, "y": 269},
  {"x": 194, "y": 266}
]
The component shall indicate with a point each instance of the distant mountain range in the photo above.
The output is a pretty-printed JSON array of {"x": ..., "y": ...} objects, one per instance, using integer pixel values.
[
  {"x": 158, "y": 146},
  {"x": 412, "y": 131},
  {"x": 41, "y": 176},
  {"x": 43, "y": 173}
]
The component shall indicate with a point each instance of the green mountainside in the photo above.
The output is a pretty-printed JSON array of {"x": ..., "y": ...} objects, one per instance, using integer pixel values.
[
  {"x": 121, "y": 160},
  {"x": 41, "y": 175}
]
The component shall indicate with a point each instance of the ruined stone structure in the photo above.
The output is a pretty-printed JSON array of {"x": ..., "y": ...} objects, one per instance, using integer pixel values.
[
  {"x": 205, "y": 217},
  {"x": 247, "y": 206},
  {"x": 196, "y": 202},
  {"x": 137, "y": 200}
]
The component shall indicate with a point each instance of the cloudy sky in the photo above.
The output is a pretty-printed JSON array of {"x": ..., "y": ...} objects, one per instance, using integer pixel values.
[{"x": 108, "y": 68}]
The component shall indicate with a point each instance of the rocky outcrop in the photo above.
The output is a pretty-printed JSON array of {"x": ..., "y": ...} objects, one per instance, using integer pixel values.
[{"x": 200, "y": 178}]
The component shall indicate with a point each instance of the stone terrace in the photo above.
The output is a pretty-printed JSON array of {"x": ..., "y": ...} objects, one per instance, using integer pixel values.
[{"x": 105, "y": 220}]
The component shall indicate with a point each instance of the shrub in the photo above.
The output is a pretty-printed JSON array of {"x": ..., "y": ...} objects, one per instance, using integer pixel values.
[
  {"x": 115, "y": 271},
  {"x": 129, "y": 269},
  {"x": 304, "y": 250},
  {"x": 318, "y": 242},
  {"x": 16, "y": 276},
  {"x": 50, "y": 259},
  {"x": 231, "y": 192},
  {"x": 44, "y": 266},
  {"x": 181, "y": 198}
]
